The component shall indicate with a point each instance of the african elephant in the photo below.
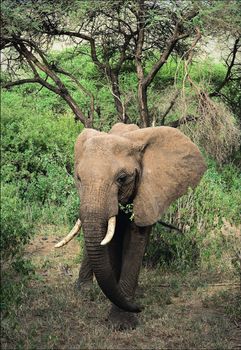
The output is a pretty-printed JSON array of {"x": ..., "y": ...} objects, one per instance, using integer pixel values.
[{"x": 148, "y": 168}]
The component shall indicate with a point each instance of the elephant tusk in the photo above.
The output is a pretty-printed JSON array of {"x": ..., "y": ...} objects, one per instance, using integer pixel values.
[
  {"x": 110, "y": 231},
  {"x": 71, "y": 235}
]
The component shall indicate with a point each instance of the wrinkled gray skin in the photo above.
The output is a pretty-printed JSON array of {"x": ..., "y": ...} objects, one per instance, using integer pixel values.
[{"x": 147, "y": 167}]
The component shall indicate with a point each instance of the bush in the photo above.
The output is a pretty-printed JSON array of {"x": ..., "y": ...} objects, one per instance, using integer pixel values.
[
  {"x": 38, "y": 154},
  {"x": 16, "y": 222}
]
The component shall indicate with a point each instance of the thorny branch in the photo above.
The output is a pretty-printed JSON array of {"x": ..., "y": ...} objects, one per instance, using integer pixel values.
[
  {"x": 112, "y": 71},
  {"x": 177, "y": 35}
]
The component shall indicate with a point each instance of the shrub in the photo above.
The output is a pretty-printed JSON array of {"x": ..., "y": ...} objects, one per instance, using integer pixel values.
[
  {"x": 16, "y": 222},
  {"x": 38, "y": 153}
]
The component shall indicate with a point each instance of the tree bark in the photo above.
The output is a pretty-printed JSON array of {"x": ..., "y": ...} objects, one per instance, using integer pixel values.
[
  {"x": 142, "y": 89},
  {"x": 143, "y": 106},
  {"x": 111, "y": 72},
  {"x": 76, "y": 110}
]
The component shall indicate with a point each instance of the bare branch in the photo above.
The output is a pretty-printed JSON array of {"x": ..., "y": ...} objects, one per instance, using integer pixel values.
[
  {"x": 83, "y": 36},
  {"x": 119, "y": 20},
  {"x": 230, "y": 65},
  {"x": 10, "y": 84},
  {"x": 34, "y": 63},
  {"x": 142, "y": 93},
  {"x": 123, "y": 56},
  {"x": 169, "y": 108},
  {"x": 166, "y": 53}
]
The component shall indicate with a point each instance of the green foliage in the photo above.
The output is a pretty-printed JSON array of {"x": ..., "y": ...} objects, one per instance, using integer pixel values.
[
  {"x": 27, "y": 16},
  {"x": 233, "y": 92},
  {"x": 16, "y": 222},
  {"x": 206, "y": 73},
  {"x": 218, "y": 16},
  {"x": 127, "y": 209},
  {"x": 17, "y": 227},
  {"x": 37, "y": 151}
]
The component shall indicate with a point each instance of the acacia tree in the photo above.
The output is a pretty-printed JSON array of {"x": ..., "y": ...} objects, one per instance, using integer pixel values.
[
  {"x": 131, "y": 31},
  {"x": 118, "y": 33}
]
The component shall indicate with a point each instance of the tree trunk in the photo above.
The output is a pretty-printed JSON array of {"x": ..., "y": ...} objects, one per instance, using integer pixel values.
[{"x": 142, "y": 103}]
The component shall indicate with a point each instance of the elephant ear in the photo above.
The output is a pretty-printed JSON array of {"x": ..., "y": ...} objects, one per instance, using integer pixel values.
[{"x": 170, "y": 164}]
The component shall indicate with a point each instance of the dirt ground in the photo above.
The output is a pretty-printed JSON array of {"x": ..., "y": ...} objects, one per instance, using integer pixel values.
[{"x": 189, "y": 311}]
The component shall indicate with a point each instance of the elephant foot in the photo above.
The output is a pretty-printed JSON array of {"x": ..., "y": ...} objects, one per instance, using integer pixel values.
[{"x": 120, "y": 320}]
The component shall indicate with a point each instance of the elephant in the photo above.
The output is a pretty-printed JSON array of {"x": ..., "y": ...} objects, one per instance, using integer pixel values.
[{"x": 147, "y": 169}]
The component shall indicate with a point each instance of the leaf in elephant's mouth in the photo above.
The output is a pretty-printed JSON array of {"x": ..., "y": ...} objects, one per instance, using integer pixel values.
[{"x": 127, "y": 209}]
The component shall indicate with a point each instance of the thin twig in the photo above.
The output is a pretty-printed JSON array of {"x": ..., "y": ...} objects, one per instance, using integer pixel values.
[{"x": 172, "y": 102}]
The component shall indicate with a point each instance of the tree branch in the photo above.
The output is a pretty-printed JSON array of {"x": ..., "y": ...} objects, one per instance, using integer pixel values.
[
  {"x": 169, "y": 108},
  {"x": 10, "y": 84},
  {"x": 177, "y": 35},
  {"x": 84, "y": 37},
  {"x": 119, "y": 20},
  {"x": 229, "y": 70},
  {"x": 92, "y": 104},
  {"x": 123, "y": 56},
  {"x": 59, "y": 88}
]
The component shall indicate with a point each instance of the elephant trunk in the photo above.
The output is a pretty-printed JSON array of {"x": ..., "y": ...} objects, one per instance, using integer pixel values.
[{"x": 94, "y": 231}]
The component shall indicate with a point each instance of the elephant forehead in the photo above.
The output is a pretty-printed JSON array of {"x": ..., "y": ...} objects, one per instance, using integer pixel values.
[
  {"x": 103, "y": 157},
  {"x": 107, "y": 145}
]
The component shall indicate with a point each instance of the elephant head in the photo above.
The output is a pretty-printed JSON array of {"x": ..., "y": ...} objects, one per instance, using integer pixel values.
[{"x": 148, "y": 167}]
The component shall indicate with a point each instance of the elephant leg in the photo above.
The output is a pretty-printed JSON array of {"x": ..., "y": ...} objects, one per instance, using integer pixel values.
[
  {"x": 85, "y": 278},
  {"x": 133, "y": 251}
]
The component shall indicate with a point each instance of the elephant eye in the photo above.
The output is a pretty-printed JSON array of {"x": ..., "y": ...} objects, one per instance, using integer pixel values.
[
  {"x": 78, "y": 178},
  {"x": 122, "y": 178}
]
